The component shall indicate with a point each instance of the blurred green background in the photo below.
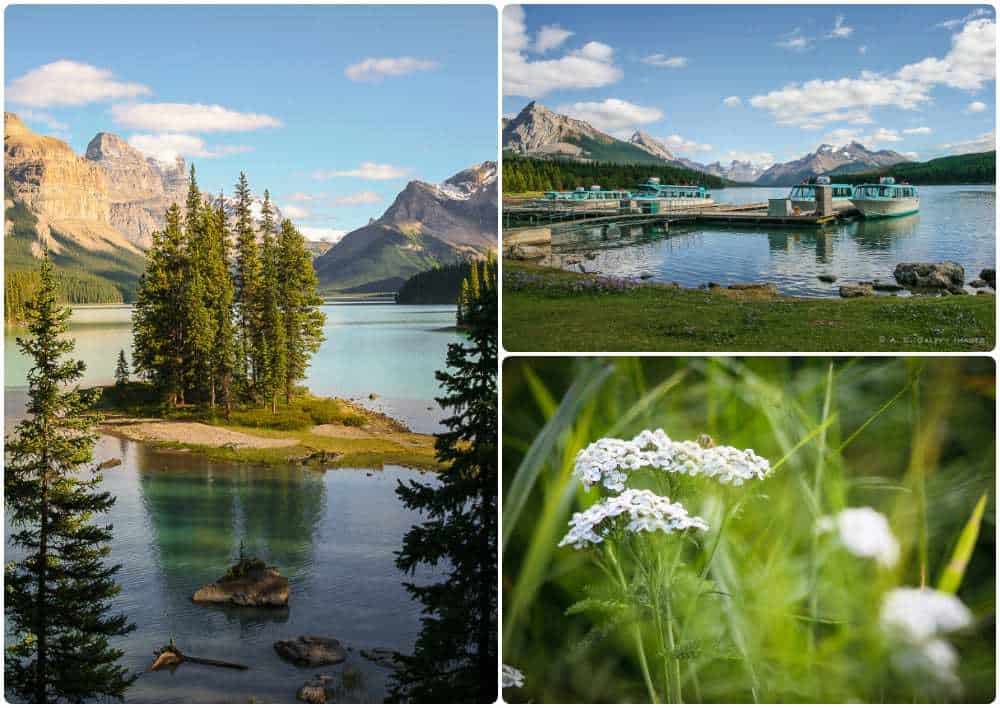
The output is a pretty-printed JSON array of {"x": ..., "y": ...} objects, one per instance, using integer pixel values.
[{"x": 913, "y": 438}]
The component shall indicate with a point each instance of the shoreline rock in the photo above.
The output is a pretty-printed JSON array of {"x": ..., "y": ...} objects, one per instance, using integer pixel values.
[
  {"x": 380, "y": 656},
  {"x": 249, "y": 583},
  {"x": 946, "y": 275},
  {"x": 311, "y": 651},
  {"x": 857, "y": 290}
]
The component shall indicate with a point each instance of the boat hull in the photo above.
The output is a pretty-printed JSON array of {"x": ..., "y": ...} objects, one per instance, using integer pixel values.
[
  {"x": 883, "y": 208},
  {"x": 807, "y": 206}
]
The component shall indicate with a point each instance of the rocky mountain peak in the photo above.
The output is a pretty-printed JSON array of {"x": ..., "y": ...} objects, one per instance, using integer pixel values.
[
  {"x": 645, "y": 141},
  {"x": 537, "y": 129},
  {"x": 13, "y": 125}
]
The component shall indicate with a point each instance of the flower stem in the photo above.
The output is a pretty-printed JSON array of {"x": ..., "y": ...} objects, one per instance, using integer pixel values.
[{"x": 637, "y": 635}]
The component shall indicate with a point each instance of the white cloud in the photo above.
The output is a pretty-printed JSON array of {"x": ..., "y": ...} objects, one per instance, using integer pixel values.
[
  {"x": 366, "y": 170},
  {"x": 795, "y": 41},
  {"x": 923, "y": 130},
  {"x": 294, "y": 211},
  {"x": 665, "y": 62},
  {"x": 881, "y": 137},
  {"x": 812, "y": 104},
  {"x": 304, "y": 197},
  {"x": 969, "y": 64},
  {"x": 188, "y": 118},
  {"x": 840, "y": 30},
  {"x": 550, "y": 37},
  {"x": 982, "y": 143},
  {"x": 167, "y": 147},
  {"x": 683, "y": 146},
  {"x": 612, "y": 115},
  {"x": 976, "y": 107},
  {"x": 842, "y": 136},
  {"x": 69, "y": 83},
  {"x": 910, "y": 155},
  {"x": 320, "y": 233},
  {"x": 46, "y": 119},
  {"x": 757, "y": 159},
  {"x": 590, "y": 66},
  {"x": 366, "y": 197},
  {"x": 377, "y": 68},
  {"x": 958, "y": 21},
  {"x": 732, "y": 101}
]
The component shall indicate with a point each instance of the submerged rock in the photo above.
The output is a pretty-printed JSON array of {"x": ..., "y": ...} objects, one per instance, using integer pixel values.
[
  {"x": 314, "y": 690},
  {"x": 827, "y": 278},
  {"x": 249, "y": 583},
  {"x": 857, "y": 290},
  {"x": 887, "y": 287},
  {"x": 386, "y": 658},
  {"x": 946, "y": 275},
  {"x": 311, "y": 651}
]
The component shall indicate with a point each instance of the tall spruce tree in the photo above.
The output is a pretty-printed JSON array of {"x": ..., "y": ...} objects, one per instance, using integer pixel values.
[
  {"x": 455, "y": 658},
  {"x": 196, "y": 296},
  {"x": 273, "y": 376},
  {"x": 247, "y": 291},
  {"x": 158, "y": 316},
  {"x": 58, "y": 598},
  {"x": 223, "y": 355},
  {"x": 121, "y": 370},
  {"x": 299, "y": 304}
]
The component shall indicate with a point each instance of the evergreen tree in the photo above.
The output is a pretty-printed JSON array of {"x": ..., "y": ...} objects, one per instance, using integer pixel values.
[
  {"x": 272, "y": 379},
  {"x": 158, "y": 323},
  {"x": 247, "y": 289},
  {"x": 455, "y": 658},
  {"x": 58, "y": 597},
  {"x": 298, "y": 302},
  {"x": 223, "y": 355},
  {"x": 196, "y": 297},
  {"x": 121, "y": 370}
]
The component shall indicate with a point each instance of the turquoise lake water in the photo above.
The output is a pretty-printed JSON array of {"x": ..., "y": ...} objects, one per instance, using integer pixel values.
[
  {"x": 179, "y": 519},
  {"x": 956, "y": 223}
]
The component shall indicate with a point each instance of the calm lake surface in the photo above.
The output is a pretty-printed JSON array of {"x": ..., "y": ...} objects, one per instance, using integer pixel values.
[
  {"x": 956, "y": 223},
  {"x": 179, "y": 519}
]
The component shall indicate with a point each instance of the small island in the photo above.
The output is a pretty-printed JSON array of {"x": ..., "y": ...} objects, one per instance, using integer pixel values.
[{"x": 307, "y": 431}]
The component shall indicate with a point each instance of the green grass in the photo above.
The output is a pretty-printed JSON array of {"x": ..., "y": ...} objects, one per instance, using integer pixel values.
[
  {"x": 651, "y": 318},
  {"x": 770, "y": 611}
]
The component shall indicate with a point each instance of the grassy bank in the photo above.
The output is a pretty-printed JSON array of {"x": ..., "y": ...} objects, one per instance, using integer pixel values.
[
  {"x": 554, "y": 310},
  {"x": 335, "y": 432}
]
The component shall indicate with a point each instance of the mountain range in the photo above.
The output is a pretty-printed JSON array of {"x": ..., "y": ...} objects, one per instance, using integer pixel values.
[
  {"x": 539, "y": 132},
  {"x": 426, "y": 225},
  {"x": 97, "y": 213}
]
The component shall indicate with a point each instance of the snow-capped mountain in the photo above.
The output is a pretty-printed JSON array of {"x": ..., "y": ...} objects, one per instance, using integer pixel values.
[{"x": 827, "y": 159}]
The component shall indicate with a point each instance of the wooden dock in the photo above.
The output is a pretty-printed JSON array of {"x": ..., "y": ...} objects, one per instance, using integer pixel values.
[{"x": 538, "y": 230}]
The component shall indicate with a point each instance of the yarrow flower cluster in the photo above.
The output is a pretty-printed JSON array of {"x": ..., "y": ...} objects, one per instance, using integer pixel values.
[
  {"x": 865, "y": 533},
  {"x": 511, "y": 677},
  {"x": 609, "y": 461},
  {"x": 646, "y": 512},
  {"x": 917, "y": 617}
]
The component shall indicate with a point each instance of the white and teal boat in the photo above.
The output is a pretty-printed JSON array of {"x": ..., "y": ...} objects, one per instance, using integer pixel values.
[
  {"x": 803, "y": 195},
  {"x": 652, "y": 193},
  {"x": 876, "y": 201},
  {"x": 595, "y": 195}
]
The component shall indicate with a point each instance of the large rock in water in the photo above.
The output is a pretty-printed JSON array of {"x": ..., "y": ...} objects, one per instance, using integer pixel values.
[
  {"x": 311, "y": 651},
  {"x": 946, "y": 275},
  {"x": 249, "y": 583},
  {"x": 990, "y": 276}
]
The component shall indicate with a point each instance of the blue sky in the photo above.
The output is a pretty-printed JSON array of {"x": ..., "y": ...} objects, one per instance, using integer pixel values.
[
  {"x": 333, "y": 109},
  {"x": 767, "y": 83}
]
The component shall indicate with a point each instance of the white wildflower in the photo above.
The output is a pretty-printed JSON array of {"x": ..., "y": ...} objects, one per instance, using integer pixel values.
[
  {"x": 609, "y": 461},
  {"x": 920, "y": 614},
  {"x": 646, "y": 512},
  {"x": 511, "y": 677},
  {"x": 865, "y": 533},
  {"x": 916, "y": 617}
]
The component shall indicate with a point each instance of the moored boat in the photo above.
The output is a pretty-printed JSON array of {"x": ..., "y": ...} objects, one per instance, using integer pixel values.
[
  {"x": 885, "y": 199},
  {"x": 594, "y": 197},
  {"x": 654, "y": 196},
  {"x": 803, "y": 195}
]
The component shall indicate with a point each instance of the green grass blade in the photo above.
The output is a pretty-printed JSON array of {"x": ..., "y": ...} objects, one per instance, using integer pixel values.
[
  {"x": 951, "y": 576},
  {"x": 586, "y": 385}
]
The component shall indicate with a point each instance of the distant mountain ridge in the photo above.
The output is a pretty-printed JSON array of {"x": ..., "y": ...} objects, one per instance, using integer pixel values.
[
  {"x": 828, "y": 160},
  {"x": 426, "y": 225}
]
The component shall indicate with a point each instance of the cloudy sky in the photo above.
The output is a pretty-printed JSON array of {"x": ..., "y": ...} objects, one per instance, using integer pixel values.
[
  {"x": 762, "y": 83},
  {"x": 333, "y": 109}
]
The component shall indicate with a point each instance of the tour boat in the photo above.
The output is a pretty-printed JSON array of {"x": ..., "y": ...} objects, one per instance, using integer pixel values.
[
  {"x": 654, "y": 196},
  {"x": 803, "y": 195},
  {"x": 582, "y": 197},
  {"x": 886, "y": 198}
]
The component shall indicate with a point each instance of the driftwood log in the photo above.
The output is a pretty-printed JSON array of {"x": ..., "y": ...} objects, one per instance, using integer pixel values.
[{"x": 170, "y": 656}]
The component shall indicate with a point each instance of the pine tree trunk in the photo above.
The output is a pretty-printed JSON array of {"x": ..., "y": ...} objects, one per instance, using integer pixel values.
[{"x": 41, "y": 630}]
